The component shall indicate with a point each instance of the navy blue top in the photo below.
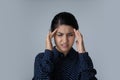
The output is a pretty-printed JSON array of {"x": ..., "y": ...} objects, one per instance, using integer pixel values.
[{"x": 53, "y": 65}]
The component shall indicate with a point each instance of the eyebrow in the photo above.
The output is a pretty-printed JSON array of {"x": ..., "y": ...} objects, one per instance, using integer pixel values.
[{"x": 67, "y": 33}]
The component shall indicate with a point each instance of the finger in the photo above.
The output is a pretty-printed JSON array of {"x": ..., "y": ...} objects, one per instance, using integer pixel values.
[
  {"x": 78, "y": 33},
  {"x": 48, "y": 35},
  {"x": 75, "y": 32},
  {"x": 52, "y": 33}
]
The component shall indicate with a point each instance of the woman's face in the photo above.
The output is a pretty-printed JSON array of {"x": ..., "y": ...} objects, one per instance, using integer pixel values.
[{"x": 64, "y": 38}]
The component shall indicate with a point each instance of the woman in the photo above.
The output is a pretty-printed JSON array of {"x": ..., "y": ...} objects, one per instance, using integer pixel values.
[{"x": 62, "y": 62}]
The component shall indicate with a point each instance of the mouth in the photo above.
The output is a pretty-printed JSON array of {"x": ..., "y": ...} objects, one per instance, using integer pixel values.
[{"x": 64, "y": 45}]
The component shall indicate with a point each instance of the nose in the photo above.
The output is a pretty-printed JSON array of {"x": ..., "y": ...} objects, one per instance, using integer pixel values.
[{"x": 65, "y": 39}]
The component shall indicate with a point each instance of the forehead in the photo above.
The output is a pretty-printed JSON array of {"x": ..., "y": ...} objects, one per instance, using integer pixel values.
[{"x": 64, "y": 28}]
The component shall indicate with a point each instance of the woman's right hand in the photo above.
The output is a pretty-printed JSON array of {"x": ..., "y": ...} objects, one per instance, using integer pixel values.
[{"x": 50, "y": 35}]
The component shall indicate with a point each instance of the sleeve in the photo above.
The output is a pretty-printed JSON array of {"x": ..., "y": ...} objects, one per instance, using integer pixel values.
[
  {"x": 43, "y": 66},
  {"x": 87, "y": 70}
]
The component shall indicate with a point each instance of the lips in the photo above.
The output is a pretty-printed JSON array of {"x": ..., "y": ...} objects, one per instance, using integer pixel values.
[{"x": 64, "y": 45}]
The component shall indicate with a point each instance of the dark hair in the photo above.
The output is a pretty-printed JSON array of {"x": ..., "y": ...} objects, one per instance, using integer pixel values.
[{"x": 65, "y": 18}]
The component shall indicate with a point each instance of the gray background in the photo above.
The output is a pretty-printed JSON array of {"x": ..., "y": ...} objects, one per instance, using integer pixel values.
[{"x": 25, "y": 23}]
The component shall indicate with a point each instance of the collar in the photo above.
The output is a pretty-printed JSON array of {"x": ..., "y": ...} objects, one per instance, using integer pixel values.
[{"x": 71, "y": 54}]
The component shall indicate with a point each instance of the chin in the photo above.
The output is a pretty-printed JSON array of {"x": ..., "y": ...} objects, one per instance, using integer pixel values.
[
  {"x": 62, "y": 49},
  {"x": 65, "y": 50}
]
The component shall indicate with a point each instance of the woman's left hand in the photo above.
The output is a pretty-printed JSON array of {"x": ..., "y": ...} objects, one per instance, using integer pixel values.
[{"x": 79, "y": 41}]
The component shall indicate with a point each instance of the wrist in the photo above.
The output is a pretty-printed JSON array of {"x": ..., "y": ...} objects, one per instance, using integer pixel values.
[{"x": 81, "y": 49}]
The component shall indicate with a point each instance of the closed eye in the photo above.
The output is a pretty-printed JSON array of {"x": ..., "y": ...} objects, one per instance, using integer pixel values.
[
  {"x": 59, "y": 34},
  {"x": 70, "y": 34}
]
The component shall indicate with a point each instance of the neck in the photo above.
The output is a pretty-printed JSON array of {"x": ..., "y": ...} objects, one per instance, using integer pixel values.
[{"x": 65, "y": 53}]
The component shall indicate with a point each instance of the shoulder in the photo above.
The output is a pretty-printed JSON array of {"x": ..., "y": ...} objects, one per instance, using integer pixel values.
[{"x": 39, "y": 56}]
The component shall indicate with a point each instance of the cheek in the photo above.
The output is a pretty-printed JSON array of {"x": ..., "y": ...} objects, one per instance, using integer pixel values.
[
  {"x": 71, "y": 40},
  {"x": 56, "y": 39}
]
